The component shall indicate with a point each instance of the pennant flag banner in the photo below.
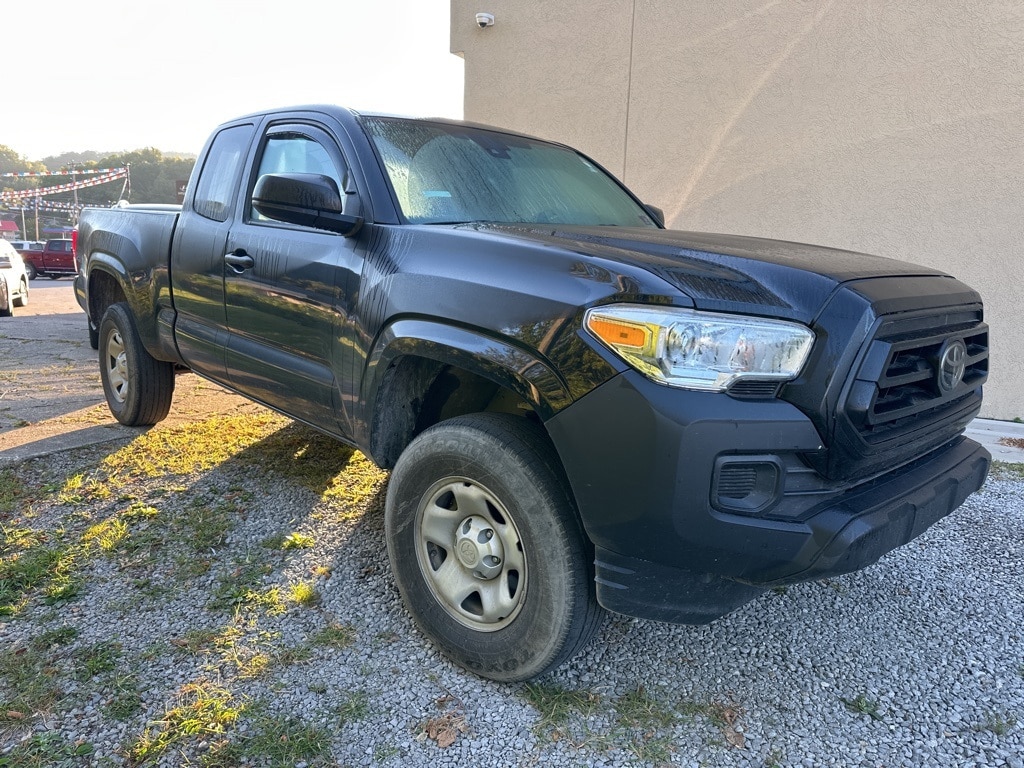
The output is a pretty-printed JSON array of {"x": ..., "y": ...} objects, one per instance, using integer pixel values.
[
  {"x": 82, "y": 172},
  {"x": 52, "y": 207},
  {"x": 29, "y": 194}
]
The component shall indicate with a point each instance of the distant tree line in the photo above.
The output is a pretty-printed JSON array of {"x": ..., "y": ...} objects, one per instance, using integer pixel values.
[{"x": 153, "y": 178}]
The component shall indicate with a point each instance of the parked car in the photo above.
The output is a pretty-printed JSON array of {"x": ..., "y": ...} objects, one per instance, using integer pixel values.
[
  {"x": 56, "y": 259},
  {"x": 13, "y": 280}
]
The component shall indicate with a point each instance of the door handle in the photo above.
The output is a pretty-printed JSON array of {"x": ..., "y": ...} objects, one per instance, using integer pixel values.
[{"x": 239, "y": 261}]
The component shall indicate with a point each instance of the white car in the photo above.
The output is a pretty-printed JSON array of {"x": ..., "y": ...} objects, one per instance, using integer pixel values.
[{"x": 13, "y": 280}]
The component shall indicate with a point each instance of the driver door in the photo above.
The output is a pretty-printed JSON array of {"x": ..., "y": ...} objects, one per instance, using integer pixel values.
[{"x": 285, "y": 287}]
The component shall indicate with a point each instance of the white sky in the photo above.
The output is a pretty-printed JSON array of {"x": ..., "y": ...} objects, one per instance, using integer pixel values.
[{"x": 112, "y": 75}]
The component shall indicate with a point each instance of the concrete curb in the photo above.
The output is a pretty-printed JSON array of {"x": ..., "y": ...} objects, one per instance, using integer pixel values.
[
  {"x": 34, "y": 442},
  {"x": 994, "y": 436}
]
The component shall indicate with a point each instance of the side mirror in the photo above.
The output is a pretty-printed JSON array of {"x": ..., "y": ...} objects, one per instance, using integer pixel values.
[
  {"x": 306, "y": 199},
  {"x": 656, "y": 213}
]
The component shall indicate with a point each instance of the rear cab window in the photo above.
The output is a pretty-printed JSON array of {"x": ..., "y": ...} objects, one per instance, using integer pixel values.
[{"x": 218, "y": 180}]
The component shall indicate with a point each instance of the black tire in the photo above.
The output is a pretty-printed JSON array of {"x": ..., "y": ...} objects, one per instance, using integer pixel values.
[
  {"x": 22, "y": 298},
  {"x": 30, "y": 270},
  {"x": 138, "y": 387},
  {"x": 54, "y": 277},
  {"x": 6, "y": 310},
  {"x": 487, "y": 547}
]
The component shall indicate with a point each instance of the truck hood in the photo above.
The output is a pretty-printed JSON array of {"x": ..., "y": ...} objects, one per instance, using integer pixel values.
[{"x": 718, "y": 272}]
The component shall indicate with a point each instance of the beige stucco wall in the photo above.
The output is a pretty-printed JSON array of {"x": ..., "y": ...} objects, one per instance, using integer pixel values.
[{"x": 892, "y": 128}]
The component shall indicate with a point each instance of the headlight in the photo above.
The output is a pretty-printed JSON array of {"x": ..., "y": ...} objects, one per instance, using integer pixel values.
[{"x": 701, "y": 350}]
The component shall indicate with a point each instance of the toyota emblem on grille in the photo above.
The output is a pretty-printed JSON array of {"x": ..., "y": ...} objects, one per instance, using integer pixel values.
[{"x": 952, "y": 365}]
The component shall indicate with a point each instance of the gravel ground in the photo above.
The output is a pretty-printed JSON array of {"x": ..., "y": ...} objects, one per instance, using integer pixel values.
[{"x": 243, "y": 614}]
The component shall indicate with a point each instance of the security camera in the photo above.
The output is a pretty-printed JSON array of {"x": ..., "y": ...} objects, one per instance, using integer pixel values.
[{"x": 484, "y": 20}]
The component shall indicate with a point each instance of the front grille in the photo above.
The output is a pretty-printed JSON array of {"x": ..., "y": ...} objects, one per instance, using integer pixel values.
[
  {"x": 900, "y": 387},
  {"x": 893, "y": 407}
]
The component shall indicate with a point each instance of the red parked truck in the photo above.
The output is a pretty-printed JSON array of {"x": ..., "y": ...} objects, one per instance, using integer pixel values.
[{"x": 57, "y": 259}]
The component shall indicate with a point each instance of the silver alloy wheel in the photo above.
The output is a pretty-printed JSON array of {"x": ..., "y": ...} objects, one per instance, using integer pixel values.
[
  {"x": 470, "y": 554},
  {"x": 117, "y": 366}
]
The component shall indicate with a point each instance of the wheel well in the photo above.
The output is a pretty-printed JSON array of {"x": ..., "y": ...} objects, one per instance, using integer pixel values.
[
  {"x": 103, "y": 291},
  {"x": 417, "y": 393}
]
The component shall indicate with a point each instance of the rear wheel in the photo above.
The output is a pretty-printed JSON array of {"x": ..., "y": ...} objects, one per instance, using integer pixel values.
[
  {"x": 138, "y": 387},
  {"x": 30, "y": 270},
  {"x": 21, "y": 300},
  {"x": 487, "y": 548},
  {"x": 6, "y": 310}
]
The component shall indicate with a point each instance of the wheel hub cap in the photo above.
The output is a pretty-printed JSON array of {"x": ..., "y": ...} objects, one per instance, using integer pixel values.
[
  {"x": 117, "y": 367},
  {"x": 478, "y": 548},
  {"x": 470, "y": 554}
]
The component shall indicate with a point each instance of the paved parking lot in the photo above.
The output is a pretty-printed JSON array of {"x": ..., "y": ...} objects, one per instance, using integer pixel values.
[{"x": 50, "y": 392}]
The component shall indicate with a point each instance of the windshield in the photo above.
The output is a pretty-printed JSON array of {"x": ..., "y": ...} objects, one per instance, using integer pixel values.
[{"x": 445, "y": 174}]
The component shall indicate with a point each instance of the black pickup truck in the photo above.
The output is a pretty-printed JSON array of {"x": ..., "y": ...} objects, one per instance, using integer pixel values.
[{"x": 580, "y": 408}]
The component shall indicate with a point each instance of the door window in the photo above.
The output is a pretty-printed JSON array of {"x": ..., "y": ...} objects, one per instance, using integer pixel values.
[{"x": 296, "y": 153}]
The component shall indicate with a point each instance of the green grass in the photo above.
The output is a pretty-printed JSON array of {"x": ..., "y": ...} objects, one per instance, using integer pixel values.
[
  {"x": 126, "y": 700},
  {"x": 31, "y": 561},
  {"x": 30, "y": 675},
  {"x": 557, "y": 705},
  {"x": 335, "y": 635},
  {"x": 637, "y": 709},
  {"x": 1003, "y": 470},
  {"x": 355, "y": 707},
  {"x": 203, "y": 712},
  {"x": 205, "y": 526},
  {"x": 303, "y": 593},
  {"x": 51, "y": 565},
  {"x": 47, "y": 750},
  {"x": 96, "y": 659},
  {"x": 11, "y": 492},
  {"x": 862, "y": 705},
  {"x": 236, "y": 587},
  {"x": 999, "y": 723},
  {"x": 35, "y": 676},
  {"x": 640, "y": 718},
  {"x": 119, "y": 517},
  {"x": 282, "y": 741},
  {"x": 294, "y": 540},
  {"x": 202, "y": 640}
]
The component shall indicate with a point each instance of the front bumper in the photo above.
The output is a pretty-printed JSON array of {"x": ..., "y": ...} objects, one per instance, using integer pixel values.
[{"x": 641, "y": 459}]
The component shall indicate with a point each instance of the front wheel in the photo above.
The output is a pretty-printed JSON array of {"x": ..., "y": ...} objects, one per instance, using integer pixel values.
[
  {"x": 487, "y": 548},
  {"x": 138, "y": 387},
  {"x": 6, "y": 309},
  {"x": 21, "y": 300}
]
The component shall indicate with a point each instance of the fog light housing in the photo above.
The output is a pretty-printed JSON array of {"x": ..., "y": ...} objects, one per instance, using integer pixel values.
[{"x": 746, "y": 485}]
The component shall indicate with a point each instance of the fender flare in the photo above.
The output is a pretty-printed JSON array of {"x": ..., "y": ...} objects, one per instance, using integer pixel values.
[
  {"x": 499, "y": 360},
  {"x": 139, "y": 289}
]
